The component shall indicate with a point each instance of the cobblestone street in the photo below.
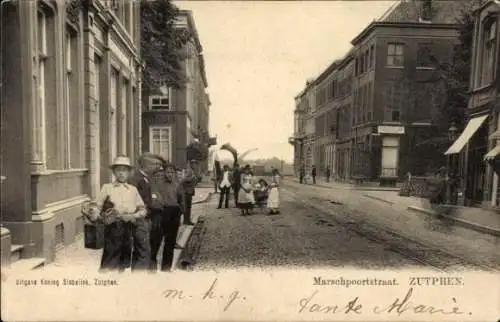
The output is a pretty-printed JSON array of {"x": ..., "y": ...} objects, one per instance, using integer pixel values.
[{"x": 311, "y": 231}]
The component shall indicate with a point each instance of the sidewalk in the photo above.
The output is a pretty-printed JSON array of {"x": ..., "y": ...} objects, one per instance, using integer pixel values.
[
  {"x": 87, "y": 260},
  {"x": 368, "y": 186},
  {"x": 479, "y": 219}
]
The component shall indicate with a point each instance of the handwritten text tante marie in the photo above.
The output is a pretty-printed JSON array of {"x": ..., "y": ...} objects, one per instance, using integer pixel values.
[{"x": 406, "y": 305}]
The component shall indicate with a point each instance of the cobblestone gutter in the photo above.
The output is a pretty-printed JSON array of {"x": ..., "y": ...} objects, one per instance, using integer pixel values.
[{"x": 191, "y": 251}]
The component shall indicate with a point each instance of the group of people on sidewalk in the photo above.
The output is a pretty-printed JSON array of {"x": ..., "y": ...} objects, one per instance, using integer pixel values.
[
  {"x": 246, "y": 189},
  {"x": 140, "y": 209}
]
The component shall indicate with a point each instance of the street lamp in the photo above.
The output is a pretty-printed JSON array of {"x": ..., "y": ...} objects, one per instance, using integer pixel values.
[
  {"x": 451, "y": 167},
  {"x": 452, "y": 131}
]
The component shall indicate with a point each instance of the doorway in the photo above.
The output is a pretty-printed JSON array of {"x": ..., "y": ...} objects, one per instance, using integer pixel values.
[{"x": 476, "y": 167}]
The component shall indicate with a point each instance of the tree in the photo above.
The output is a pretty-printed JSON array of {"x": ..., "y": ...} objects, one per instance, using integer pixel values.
[
  {"x": 450, "y": 94},
  {"x": 162, "y": 45}
]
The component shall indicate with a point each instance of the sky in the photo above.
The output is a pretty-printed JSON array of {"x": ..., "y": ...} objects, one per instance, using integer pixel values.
[{"x": 258, "y": 56}]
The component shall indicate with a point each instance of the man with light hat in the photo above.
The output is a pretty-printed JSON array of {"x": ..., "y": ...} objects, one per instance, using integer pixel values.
[
  {"x": 126, "y": 208},
  {"x": 148, "y": 165}
]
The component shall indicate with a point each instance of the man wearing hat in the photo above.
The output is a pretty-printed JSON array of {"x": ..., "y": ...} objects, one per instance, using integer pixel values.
[
  {"x": 148, "y": 165},
  {"x": 127, "y": 208}
]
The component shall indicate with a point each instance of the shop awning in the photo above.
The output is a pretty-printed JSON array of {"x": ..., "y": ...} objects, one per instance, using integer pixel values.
[
  {"x": 469, "y": 131},
  {"x": 493, "y": 153}
]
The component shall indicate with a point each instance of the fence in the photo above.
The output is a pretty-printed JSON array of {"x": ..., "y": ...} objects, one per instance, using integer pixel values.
[{"x": 415, "y": 187}]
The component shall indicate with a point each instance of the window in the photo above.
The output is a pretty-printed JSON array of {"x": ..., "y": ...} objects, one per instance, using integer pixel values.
[
  {"x": 367, "y": 60},
  {"x": 370, "y": 100},
  {"x": 42, "y": 86},
  {"x": 372, "y": 49},
  {"x": 395, "y": 97},
  {"x": 73, "y": 112},
  {"x": 367, "y": 101},
  {"x": 361, "y": 64},
  {"x": 48, "y": 118},
  {"x": 114, "y": 113},
  {"x": 395, "y": 55},
  {"x": 124, "y": 129},
  {"x": 160, "y": 141},
  {"x": 424, "y": 56},
  {"x": 489, "y": 44},
  {"x": 159, "y": 103}
]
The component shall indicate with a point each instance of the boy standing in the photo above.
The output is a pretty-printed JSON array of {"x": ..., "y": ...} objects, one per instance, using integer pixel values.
[
  {"x": 126, "y": 206},
  {"x": 166, "y": 209}
]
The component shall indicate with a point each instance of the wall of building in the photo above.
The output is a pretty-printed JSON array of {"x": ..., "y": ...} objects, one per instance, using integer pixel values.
[
  {"x": 484, "y": 101},
  {"x": 58, "y": 165}
]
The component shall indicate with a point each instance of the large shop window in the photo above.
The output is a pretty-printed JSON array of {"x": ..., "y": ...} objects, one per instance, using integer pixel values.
[
  {"x": 160, "y": 141},
  {"x": 390, "y": 153}
]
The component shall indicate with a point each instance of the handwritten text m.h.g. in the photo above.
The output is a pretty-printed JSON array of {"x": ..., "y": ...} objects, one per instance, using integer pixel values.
[{"x": 212, "y": 294}]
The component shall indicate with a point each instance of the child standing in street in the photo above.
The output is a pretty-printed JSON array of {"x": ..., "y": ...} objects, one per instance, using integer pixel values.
[
  {"x": 124, "y": 206},
  {"x": 246, "y": 198},
  {"x": 273, "y": 202}
]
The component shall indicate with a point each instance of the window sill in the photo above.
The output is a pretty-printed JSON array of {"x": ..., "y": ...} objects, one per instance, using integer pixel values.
[
  {"x": 59, "y": 172},
  {"x": 394, "y": 67},
  {"x": 425, "y": 68}
]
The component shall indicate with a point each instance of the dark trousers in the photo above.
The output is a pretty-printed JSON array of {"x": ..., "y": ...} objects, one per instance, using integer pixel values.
[
  {"x": 327, "y": 178},
  {"x": 224, "y": 194},
  {"x": 236, "y": 190},
  {"x": 140, "y": 241},
  {"x": 301, "y": 178},
  {"x": 188, "y": 206},
  {"x": 314, "y": 179},
  {"x": 165, "y": 225},
  {"x": 117, "y": 246}
]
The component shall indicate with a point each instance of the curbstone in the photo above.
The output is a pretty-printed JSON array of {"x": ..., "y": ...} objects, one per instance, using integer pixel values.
[
  {"x": 464, "y": 223},
  {"x": 209, "y": 195},
  {"x": 379, "y": 199}
]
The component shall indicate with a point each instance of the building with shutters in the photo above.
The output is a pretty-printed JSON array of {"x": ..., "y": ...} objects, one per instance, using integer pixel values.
[
  {"x": 175, "y": 116},
  {"x": 70, "y": 104},
  {"x": 303, "y": 139},
  {"x": 391, "y": 97},
  {"x": 477, "y": 149}
]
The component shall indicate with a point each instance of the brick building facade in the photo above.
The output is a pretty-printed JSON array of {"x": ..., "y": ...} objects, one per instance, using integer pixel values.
[
  {"x": 174, "y": 117},
  {"x": 476, "y": 149},
  {"x": 392, "y": 96},
  {"x": 70, "y": 104}
]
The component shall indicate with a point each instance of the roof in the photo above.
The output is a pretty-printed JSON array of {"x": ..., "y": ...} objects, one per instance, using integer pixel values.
[{"x": 442, "y": 12}]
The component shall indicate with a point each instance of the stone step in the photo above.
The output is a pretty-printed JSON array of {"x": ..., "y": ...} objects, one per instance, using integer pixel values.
[
  {"x": 15, "y": 253},
  {"x": 27, "y": 264}
]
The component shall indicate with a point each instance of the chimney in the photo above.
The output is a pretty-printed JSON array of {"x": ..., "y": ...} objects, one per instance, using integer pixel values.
[{"x": 426, "y": 11}]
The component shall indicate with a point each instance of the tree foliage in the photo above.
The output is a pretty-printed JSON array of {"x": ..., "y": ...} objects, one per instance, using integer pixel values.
[
  {"x": 451, "y": 88},
  {"x": 162, "y": 45}
]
